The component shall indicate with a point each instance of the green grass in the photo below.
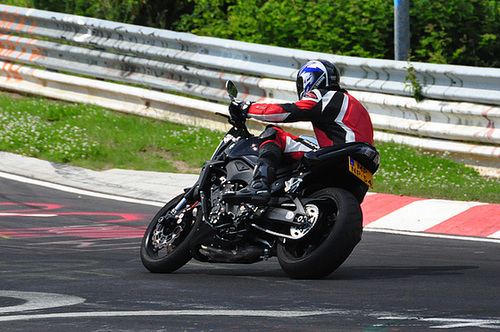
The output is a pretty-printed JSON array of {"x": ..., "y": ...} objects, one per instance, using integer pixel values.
[
  {"x": 95, "y": 138},
  {"x": 407, "y": 171},
  {"x": 92, "y": 137},
  {"x": 19, "y": 3}
]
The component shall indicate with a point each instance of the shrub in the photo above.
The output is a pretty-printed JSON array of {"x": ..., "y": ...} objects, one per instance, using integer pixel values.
[
  {"x": 456, "y": 31},
  {"x": 463, "y": 32}
]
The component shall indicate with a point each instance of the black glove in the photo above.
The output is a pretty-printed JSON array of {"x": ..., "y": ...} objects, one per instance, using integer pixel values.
[{"x": 239, "y": 110}]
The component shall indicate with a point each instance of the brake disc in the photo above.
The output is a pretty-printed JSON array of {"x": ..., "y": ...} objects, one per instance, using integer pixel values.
[{"x": 162, "y": 238}]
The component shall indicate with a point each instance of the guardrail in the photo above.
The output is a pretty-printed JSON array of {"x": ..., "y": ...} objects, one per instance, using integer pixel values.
[{"x": 88, "y": 60}]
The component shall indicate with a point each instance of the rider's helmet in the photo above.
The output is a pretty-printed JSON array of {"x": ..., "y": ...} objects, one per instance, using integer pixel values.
[{"x": 317, "y": 74}]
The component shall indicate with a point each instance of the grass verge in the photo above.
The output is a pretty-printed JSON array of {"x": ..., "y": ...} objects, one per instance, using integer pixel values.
[{"x": 95, "y": 138}]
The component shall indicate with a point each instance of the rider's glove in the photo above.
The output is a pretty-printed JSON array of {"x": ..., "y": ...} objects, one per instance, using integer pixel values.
[
  {"x": 245, "y": 106},
  {"x": 239, "y": 110}
]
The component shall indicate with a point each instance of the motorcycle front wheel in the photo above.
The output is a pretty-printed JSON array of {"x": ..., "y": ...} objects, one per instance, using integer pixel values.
[
  {"x": 334, "y": 236},
  {"x": 165, "y": 245}
]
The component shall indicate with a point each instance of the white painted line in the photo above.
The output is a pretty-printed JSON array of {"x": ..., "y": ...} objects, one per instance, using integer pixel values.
[
  {"x": 453, "y": 323},
  {"x": 76, "y": 190},
  {"x": 235, "y": 313},
  {"x": 450, "y": 323},
  {"x": 422, "y": 215},
  {"x": 27, "y": 215},
  {"x": 433, "y": 235},
  {"x": 440, "y": 322},
  {"x": 495, "y": 235},
  {"x": 36, "y": 300}
]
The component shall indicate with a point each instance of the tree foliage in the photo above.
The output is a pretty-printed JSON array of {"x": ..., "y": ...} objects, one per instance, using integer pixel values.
[
  {"x": 350, "y": 27},
  {"x": 456, "y": 31},
  {"x": 154, "y": 13},
  {"x": 453, "y": 31},
  {"x": 113, "y": 10}
]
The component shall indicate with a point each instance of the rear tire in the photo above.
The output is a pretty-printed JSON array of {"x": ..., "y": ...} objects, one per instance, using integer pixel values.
[
  {"x": 165, "y": 245},
  {"x": 330, "y": 242}
]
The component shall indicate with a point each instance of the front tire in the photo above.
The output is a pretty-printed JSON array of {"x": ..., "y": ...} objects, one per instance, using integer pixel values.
[
  {"x": 330, "y": 242},
  {"x": 165, "y": 245}
]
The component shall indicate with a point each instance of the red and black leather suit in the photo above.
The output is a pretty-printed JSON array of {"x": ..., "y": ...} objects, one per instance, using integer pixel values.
[{"x": 336, "y": 116}]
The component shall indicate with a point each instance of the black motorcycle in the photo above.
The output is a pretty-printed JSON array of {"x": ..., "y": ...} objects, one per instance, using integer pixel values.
[{"x": 312, "y": 222}]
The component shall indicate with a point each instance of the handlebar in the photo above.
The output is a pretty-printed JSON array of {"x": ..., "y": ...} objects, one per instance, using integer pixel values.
[{"x": 235, "y": 118}]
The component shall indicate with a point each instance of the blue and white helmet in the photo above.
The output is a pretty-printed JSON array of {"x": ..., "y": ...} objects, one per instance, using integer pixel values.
[{"x": 318, "y": 74}]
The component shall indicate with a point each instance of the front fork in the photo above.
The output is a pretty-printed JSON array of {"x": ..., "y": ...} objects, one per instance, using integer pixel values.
[
  {"x": 180, "y": 206},
  {"x": 200, "y": 188}
]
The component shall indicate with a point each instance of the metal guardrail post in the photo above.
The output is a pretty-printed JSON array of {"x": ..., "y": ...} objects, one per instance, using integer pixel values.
[{"x": 401, "y": 29}]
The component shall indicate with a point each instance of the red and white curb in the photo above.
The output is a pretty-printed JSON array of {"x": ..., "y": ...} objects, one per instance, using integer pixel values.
[{"x": 384, "y": 212}]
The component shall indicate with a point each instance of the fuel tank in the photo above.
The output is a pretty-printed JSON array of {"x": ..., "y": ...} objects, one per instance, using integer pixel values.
[{"x": 241, "y": 158}]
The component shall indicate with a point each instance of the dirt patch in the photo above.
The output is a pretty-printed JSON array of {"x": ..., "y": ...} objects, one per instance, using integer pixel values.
[
  {"x": 181, "y": 166},
  {"x": 185, "y": 168}
]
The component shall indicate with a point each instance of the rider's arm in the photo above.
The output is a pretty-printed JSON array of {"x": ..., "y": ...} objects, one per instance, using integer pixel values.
[{"x": 306, "y": 109}]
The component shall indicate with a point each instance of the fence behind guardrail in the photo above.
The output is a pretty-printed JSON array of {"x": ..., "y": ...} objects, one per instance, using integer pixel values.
[{"x": 180, "y": 77}]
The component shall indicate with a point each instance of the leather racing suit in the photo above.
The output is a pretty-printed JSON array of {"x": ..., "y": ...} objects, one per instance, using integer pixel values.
[{"x": 336, "y": 116}]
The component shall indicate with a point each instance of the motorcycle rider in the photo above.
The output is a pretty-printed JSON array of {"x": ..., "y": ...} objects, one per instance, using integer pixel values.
[{"x": 336, "y": 116}]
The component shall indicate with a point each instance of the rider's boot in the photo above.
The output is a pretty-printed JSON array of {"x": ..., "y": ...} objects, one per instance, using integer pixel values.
[{"x": 258, "y": 190}]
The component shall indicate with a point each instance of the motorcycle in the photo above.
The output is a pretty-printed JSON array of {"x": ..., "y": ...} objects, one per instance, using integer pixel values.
[{"x": 311, "y": 224}]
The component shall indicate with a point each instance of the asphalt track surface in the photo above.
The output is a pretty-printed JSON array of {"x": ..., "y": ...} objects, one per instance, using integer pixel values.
[{"x": 71, "y": 261}]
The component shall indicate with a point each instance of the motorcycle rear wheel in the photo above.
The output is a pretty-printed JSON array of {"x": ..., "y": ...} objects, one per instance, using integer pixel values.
[
  {"x": 165, "y": 245},
  {"x": 330, "y": 242}
]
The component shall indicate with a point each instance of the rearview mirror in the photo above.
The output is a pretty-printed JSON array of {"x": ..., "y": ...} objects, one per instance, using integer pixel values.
[{"x": 231, "y": 90}]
